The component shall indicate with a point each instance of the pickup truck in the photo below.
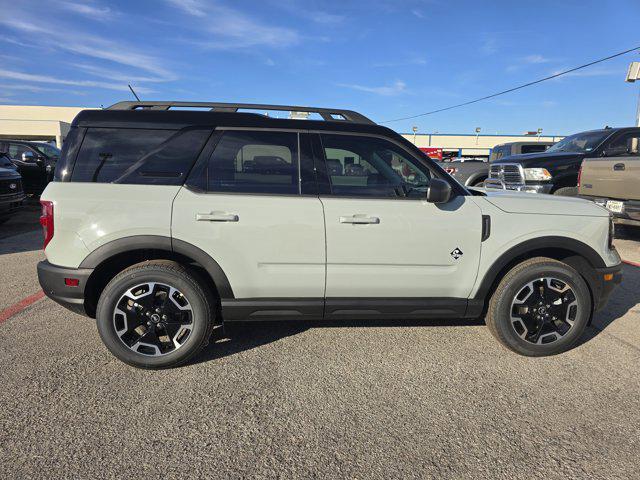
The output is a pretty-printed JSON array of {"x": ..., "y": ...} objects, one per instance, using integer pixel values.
[
  {"x": 612, "y": 179},
  {"x": 471, "y": 172},
  {"x": 556, "y": 170}
]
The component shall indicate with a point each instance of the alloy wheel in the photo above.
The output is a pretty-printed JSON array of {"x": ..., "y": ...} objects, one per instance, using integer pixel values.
[
  {"x": 153, "y": 319},
  {"x": 544, "y": 310}
]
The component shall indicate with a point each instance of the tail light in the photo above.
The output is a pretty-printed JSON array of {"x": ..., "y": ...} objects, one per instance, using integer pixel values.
[
  {"x": 46, "y": 220},
  {"x": 579, "y": 175}
]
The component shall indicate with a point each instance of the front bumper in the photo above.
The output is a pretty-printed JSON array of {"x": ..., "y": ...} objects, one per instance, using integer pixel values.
[
  {"x": 52, "y": 280},
  {"x": 10, "y": 203},
  {"x": 496, "y": 184},
  {"x": 607, "y": 279}
]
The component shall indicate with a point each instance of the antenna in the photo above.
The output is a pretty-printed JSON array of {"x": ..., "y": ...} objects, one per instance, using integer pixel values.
[{"x": 134, "y": 93}]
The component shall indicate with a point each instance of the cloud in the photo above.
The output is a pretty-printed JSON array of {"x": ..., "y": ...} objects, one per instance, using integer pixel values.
[
  {"x": 95, "y": 12},
  {"x": 192, "y": 7},
  {"x": 88, "y": 45},
  {"x": 536, "y": 59},
  {"x": 233, "y": 28},
  {"x": 489, "y": 45},
  {"x": 417, "y": 13},
  {"x": 39, "y": 78},
  {"x": 398, "y": 87},
  {"x": 401, "y": 63}
]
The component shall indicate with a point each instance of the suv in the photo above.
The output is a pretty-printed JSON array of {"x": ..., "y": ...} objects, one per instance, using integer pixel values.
[
  {"x": 159, "y": 225},
  {"x": 554, "y": 171},
  {"x": 11, "y": 194},
  {"x": 36, "y": 162}
]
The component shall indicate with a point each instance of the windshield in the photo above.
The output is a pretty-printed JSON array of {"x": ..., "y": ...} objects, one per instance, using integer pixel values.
[
  {"x": 580, "y": 142},
  {"x": 48, "y": 150}
]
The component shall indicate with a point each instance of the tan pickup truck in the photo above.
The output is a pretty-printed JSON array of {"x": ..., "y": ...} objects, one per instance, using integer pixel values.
[{"x": 613, "y": 178}]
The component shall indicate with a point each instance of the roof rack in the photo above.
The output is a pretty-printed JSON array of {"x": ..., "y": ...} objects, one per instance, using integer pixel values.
[{"x": 328, "y": 114}]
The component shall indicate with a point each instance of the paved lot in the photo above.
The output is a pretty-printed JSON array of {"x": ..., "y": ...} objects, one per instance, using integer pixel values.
[{"x": 418, "y": 400}]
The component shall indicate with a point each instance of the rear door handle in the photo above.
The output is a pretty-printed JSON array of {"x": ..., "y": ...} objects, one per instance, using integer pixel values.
[
  {"x": 619, "y": 166},
  {"x": 360, "y": 220},
  {"x": 217, "y": 217}
]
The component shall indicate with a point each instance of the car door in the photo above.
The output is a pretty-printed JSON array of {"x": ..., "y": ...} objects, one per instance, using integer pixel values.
[
  {"x": 389, "y": 251},
  {"x": 615, "y": 174},
  {"x": 26, "y": 159},
  {"x": 246, "y": 206}
]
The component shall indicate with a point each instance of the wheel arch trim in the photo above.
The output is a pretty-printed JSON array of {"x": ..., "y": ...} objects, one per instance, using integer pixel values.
[
  {"x": 548, "y": 242},
  {"x": 167, "y": 244}
]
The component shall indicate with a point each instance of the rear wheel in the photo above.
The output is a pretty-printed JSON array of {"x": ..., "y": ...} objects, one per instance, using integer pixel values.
[
  {"x": 479, "y": 183},
  {"x": 541, "y": 307},
  {"x": 155, "y": 315}
]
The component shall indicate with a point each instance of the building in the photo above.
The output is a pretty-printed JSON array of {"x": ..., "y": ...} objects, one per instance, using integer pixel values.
[
  {"x": 36, "y": 122},
  {"x": 52, "y": 124},
  {"x": 471, "y": 145}
]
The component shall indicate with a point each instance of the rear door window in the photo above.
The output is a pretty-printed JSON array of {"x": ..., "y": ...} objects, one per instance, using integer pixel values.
[
  {"x": 255, "y": 162},
  {"x": 533, "y": 148},
  {"x": 138, "y": 156}
]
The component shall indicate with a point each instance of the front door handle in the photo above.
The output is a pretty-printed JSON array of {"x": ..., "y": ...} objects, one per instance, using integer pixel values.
[
  {"x": 619, "y": 166},
  {"x": 217, "y": 217},
  {"x": 360, "y": 220}
]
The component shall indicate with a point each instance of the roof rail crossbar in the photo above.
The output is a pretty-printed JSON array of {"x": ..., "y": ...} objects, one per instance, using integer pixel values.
[{"x": 328, "y": 114}]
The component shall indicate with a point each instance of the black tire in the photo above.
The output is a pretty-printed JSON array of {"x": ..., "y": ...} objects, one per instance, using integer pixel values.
[
  {"x": 479, "y": 183},
  {"x": 498, "y": 317},
  {"x": 567, "y": 192},
  {"x": 201, "y": 304}
]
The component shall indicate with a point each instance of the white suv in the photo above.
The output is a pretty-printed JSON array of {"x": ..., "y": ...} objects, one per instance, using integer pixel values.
[{"x": 163, "y": 222}]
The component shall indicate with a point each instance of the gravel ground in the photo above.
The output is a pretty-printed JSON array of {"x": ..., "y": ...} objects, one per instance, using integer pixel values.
[{"x": 415, "y": 400}]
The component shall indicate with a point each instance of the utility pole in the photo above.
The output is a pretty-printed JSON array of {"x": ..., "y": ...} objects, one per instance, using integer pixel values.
[{"x": 633, "y": 74}]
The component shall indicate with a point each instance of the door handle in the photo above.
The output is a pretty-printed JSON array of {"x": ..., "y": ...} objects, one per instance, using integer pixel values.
[
  {"x": 619, "y": 166},
  {"x": 217, "y": 217},
  {"x": 360, "y": 220}
]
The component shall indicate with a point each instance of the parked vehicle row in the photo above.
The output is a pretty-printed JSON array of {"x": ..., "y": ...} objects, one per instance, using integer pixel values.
[
  {"x": 11, "y": 191},
  {"x": 170, "y": 221},
  {"x": 599, "y": 165},
  {"x": 36, "y": 162}
]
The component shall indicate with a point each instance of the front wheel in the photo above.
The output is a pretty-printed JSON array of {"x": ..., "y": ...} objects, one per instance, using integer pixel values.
[
  {"x": 567, "y": 192},
  {"x": 155, "y": 315},
  {"x": 541, "y": 307}
]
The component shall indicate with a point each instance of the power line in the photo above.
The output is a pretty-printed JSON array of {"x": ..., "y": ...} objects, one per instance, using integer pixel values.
[{"x": 514, "y": 88}]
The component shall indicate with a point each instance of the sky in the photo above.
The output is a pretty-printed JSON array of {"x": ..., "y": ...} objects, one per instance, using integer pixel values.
[{"x": 385, "y": 59}]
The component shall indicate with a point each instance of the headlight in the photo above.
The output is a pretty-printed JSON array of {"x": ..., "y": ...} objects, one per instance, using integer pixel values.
[{"x": 536, "y": 174}]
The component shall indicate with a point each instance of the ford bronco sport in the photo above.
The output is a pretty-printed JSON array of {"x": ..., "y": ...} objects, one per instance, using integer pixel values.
[{"x": 162, "y": 222}]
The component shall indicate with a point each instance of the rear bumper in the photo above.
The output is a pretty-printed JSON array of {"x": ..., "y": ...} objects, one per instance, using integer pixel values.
[
  {"x": 52, "y": 281},
  {"x": 603, "y": 287},
  {"x": 630, "y": 214}
]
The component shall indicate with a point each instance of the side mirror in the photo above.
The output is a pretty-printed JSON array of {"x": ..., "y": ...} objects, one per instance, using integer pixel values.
[
  {"x": 28, "y": 157},
  {"x": 439, "y": 191}
]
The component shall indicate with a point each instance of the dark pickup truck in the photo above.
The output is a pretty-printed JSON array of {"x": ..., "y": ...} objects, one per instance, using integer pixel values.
[
  {"x": 554, "y": 171},
  {"x": 11, "y": 194}
]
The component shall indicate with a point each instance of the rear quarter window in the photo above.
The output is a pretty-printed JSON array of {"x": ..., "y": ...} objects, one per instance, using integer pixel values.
[{"x": 138, "y": 156}]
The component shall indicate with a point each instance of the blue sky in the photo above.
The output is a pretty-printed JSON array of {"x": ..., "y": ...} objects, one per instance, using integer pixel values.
[{"x": 386, "y": 59}]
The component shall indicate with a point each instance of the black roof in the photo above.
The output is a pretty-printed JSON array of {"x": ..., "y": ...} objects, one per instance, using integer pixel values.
[{"x": 176, "y": 119}]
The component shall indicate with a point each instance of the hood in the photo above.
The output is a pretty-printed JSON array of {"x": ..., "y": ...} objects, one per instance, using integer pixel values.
[
  {"x": 8, "y": 173},
  {"x": 531, "y": 159},
  {"x": 538, "y": 203}
]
